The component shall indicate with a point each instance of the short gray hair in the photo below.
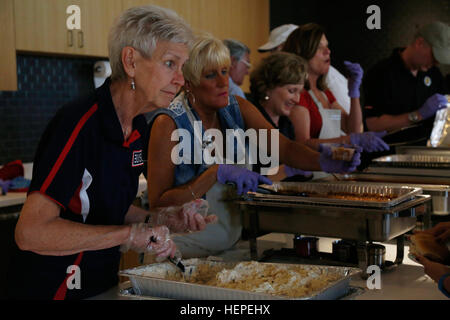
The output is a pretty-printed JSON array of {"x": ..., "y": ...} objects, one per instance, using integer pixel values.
[
  {"x": 141, "y": 28},
  {"x": 237, "y": 48}
]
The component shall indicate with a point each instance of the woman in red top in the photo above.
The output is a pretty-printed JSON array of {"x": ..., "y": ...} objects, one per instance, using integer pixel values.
[{"x": 319, "y": 118}]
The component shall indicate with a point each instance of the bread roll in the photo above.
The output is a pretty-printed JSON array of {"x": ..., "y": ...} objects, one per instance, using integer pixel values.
[
  {"x": 342, "y": 153},
  {"x": 425, "y": 244}
]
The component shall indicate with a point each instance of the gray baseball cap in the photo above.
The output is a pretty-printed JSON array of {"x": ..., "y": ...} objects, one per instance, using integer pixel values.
[{"x": 437, "y": 34}]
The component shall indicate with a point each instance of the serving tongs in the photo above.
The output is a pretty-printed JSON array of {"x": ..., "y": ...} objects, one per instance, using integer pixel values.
[
  {"x": 176, "y": 260},
  {"x": 185, "y": 271}
]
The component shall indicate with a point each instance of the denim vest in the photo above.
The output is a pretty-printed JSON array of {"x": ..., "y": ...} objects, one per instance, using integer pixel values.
[{"x": 179, "y": 110}]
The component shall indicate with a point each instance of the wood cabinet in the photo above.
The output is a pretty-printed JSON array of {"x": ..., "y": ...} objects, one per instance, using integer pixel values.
[
  {"x": 243, "y": 20},
  {"x": 41, "y": 26},
  {"x": 8, "y": 66}
]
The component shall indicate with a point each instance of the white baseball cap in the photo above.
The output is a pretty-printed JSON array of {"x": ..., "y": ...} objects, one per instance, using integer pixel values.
[{"x": 278, "y": 36}]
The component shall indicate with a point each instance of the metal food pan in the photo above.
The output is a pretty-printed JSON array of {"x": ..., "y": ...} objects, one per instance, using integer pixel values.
[
  {"x": 438, "y": 151},
  {"x": 398, "y": 193},
  {"x": 431, "y": 173},
  {"x": 413, "y": 161},
  {"x": 150, "y": 280},
  {"x": 433, "y": 186}
]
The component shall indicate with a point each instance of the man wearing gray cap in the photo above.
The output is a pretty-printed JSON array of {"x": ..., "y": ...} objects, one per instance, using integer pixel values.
[
  {"x": 408, "y": 88},
  {"x": 336, "y": 82}
]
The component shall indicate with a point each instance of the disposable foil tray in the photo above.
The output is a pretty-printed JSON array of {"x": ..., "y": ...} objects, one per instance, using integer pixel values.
[
  {"x": 413, "y": 161},
  {"x": 154, "y": 281},
  {"x": 320, "y": 190},
  {"x": 440, "y": 135}
]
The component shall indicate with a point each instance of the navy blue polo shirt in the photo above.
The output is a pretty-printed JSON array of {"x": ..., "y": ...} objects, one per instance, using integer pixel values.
[
  {"x": 390, "y": 88},
  {"x": 84, "y": 165},
  {"x": 284, "y": 123},
  {"x": 285, "y": 128}
]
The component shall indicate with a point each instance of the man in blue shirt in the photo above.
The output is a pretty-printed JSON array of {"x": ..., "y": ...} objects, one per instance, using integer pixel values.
[{"x": 240, "y": 65}]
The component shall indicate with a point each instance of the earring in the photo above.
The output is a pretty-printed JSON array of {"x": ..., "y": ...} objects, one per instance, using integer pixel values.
[
  {"x": 266, "y": 97},
  {"x": 189, "y": 93},
  {"x": 133, "y": 85}
]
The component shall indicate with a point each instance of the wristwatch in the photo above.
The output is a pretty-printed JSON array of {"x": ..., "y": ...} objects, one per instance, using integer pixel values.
[{"x": 413, "y": 117}]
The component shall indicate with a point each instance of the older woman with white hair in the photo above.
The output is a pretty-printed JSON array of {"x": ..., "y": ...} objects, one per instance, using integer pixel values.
[{"x": 79, "y": 210}]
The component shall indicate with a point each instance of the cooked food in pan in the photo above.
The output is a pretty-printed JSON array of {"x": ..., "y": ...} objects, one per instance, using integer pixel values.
[
  {"x": 340, "y": 195},
  {"x": 360, "y": 197},
  {"x": 292, "y": 281}
]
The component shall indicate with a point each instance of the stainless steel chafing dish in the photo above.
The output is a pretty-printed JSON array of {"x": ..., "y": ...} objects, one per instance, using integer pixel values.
[
  {"x": 437, "y": 187},
  {"x": 414, "y": 161},
  {"x": 412, "y": 164},
  {"x": 439, "y": 151},
  {"x": 349, "y": 220},
  {"x": 358, "y": 194}
]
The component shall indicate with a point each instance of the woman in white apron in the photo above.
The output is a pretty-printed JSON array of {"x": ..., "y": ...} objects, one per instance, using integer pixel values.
[
  {"x": 177, "y": 181},
  {"x": 319, "y": 118}
]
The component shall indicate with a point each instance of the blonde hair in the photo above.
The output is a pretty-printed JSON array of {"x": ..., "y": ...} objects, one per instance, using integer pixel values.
[
  {"x": 207, "y": 53},
  {"x": 141, "y": 28}
]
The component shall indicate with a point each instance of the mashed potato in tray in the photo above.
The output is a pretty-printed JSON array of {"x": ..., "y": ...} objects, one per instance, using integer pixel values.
[{"x": 292, "y": 281}]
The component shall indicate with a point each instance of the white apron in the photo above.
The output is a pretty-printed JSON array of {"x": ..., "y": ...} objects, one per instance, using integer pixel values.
[{"x": 331, "y": 127}]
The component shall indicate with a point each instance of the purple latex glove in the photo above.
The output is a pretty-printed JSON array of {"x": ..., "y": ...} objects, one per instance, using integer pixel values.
[
  {"x": 290, "y": 172},
  {"x": 327, "y": 163},
  {"x": 245, "y": 180},
  {"x": 434, "y": 103},
  {"x": 369, "y": 141},
  {"x": 355, "y": 78},
  {"x": 4, "y": 185}
]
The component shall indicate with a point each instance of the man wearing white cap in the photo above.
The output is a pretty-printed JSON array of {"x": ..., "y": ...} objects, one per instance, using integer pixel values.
[
  {"x": 336, "y": 82},
  {"x": 407, "y": 87}
]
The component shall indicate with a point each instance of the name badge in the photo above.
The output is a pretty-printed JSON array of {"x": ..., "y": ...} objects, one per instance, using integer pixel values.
[{"x": 137, "y": 159}]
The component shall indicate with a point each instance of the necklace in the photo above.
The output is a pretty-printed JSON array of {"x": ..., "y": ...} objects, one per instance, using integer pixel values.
[{"x": 125, "y": 132}]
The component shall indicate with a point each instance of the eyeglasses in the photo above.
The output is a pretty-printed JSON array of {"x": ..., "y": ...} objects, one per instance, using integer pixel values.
[{"x": 246, "y": 63}]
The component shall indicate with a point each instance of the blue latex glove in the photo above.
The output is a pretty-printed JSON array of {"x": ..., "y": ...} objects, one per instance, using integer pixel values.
[
  {"x": 369, "y": 141},
  {"x": 355, "y": 78},
  {"x": 245, "y": 180},
  {"x": 434, "y": 103},
  {"x": 290, "y": 172},
  {"x": 4, "y": 185},
  {"x": 327, "y": 163}
]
